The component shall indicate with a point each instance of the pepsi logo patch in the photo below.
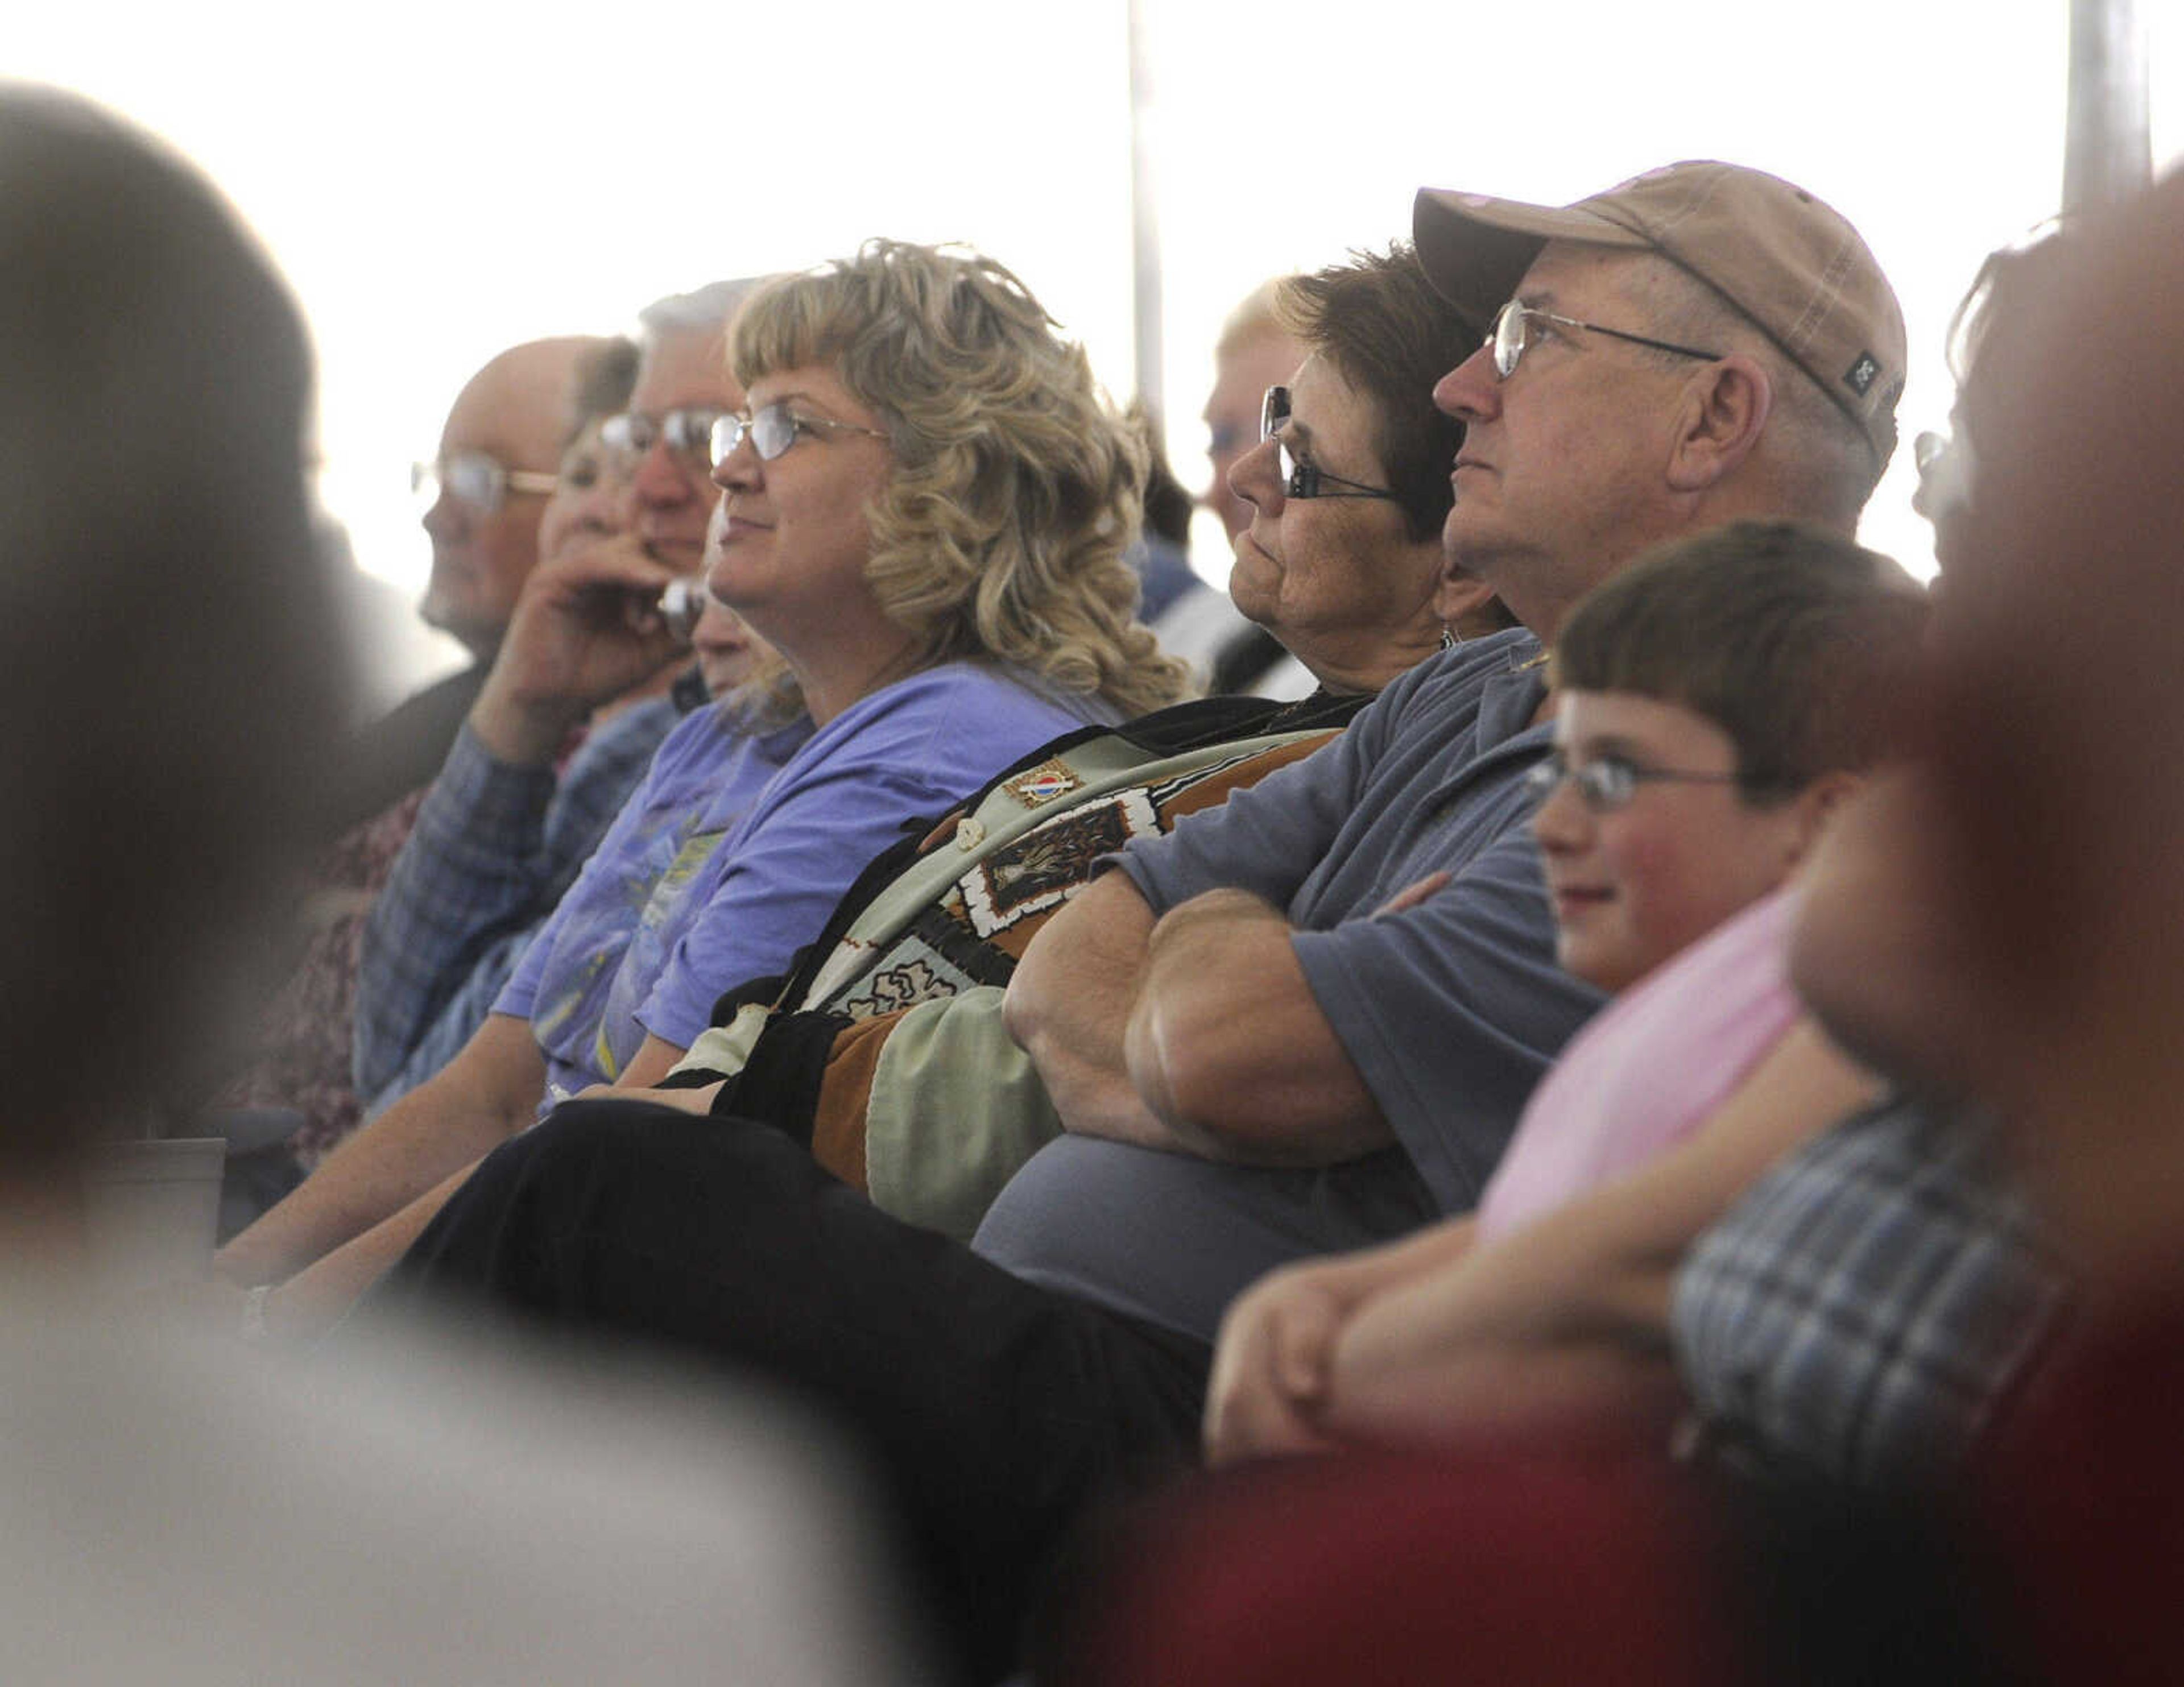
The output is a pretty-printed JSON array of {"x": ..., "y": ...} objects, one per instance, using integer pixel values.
[
  {"x": 1043, "y": 784},
  {"x": 1861, "y": 375}
]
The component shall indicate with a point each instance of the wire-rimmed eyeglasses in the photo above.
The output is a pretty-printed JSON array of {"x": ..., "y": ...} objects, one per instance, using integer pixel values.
[
  {"x": 476, "y": 481},
  {"x": 1609, "y": 782},
  {"x": 772, "y": 429},
  {"x": 1510, "y": 336}
]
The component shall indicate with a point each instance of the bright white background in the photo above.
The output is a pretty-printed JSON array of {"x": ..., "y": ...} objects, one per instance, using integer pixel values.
[{"x": 439, "y": 180}]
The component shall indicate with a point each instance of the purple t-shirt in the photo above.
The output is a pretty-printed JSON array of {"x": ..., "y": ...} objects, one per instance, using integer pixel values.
[{"x": 723, "y": 864}]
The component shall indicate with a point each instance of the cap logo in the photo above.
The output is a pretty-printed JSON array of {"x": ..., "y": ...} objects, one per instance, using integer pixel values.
[{"x": 1860, "y": 376}]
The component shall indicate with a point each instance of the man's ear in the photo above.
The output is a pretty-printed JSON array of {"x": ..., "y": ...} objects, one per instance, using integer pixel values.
[{"x": 1724, "y": 407}]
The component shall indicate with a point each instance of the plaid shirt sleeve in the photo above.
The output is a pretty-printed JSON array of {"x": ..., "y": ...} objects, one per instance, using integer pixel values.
[
  {"x": 1864, "y": 1314},
  {"x": 458, "y": 1019},
  {"x": 494, "y": 847}
]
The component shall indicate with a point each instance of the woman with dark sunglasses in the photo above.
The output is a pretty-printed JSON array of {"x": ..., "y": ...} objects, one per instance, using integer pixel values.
[{"x": 1348, "y": 486}]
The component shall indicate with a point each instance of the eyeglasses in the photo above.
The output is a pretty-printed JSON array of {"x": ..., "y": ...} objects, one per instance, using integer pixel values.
[
  {"x": 1609, "y": 782},
  {"x": 1300, "y": 478},
  {"x": 772, "y": 429},
  {"x": 1510, "y": 336},
  {"x": 685, "y": 432},
  {"x": 476, "y": 480}
]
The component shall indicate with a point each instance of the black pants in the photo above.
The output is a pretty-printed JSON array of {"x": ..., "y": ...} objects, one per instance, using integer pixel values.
[{"x": 1001, "y": 1414}]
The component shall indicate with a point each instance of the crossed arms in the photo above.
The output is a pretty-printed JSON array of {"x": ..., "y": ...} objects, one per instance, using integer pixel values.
[{"x": 1195, "y": 1032}]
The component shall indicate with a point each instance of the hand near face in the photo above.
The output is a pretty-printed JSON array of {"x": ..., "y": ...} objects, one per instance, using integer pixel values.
[{"x": 586, "y": 629}]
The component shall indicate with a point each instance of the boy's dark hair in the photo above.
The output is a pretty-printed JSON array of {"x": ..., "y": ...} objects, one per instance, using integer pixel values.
[
  {"x": 1377, "y": 319},
  {"x": 1800, "y": 645}
]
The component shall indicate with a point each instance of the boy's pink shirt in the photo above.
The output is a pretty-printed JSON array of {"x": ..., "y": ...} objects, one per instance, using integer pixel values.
[{"x": 1651, "y": 1067}]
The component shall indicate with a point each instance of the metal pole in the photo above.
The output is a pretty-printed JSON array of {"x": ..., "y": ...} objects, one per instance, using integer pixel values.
[
  {"x": 2108, "y": 155},
  {"x": 1145, "y": 225}
]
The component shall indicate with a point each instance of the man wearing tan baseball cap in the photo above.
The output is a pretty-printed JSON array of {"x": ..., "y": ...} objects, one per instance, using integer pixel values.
[{"x": 1703, "y": 343}]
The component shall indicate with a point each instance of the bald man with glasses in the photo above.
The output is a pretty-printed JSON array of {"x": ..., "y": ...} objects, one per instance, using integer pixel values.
[{"x": 479, "y": 500}]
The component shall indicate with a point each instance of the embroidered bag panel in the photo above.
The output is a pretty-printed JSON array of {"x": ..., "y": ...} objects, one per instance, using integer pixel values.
[{"x": 978, "y": 928}]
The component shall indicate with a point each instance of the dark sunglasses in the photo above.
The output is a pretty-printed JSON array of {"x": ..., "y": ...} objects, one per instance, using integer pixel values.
[{"x": 1301, "y": 478}]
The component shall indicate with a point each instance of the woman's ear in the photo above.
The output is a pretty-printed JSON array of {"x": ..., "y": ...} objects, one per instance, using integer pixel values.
[
  {"x": 1724, "y": 409},
  {"x": 1462, "y": 602}
]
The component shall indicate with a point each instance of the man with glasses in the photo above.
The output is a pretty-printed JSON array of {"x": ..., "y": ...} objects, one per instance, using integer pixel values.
[
  {"x": 484, "y": 492},
  {"x": 480, "y": 499},
  {"x": 1700, "y": 343},
  {"x": 579, "y": 638}
]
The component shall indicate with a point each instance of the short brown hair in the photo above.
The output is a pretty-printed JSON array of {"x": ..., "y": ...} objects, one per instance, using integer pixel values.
[
  {"x": 1378, "y": 320},
  {"x": 1797, "y": 643}
]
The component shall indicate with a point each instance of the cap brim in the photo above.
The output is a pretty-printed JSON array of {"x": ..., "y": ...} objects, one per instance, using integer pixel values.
[{"x": 1475, "y": 249}]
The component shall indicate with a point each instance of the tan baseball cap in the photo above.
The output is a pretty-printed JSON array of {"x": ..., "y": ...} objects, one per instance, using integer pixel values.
[{"x": 1788, "y": 265}]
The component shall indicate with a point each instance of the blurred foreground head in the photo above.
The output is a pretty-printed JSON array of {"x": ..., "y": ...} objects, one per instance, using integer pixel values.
[
  {"x": 2058, "y": 764},
  {"x": 167, "y": 669}
]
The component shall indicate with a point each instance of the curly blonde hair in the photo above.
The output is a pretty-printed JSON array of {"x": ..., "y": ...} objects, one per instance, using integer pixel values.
[{"x": 1017, "y": 488}]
